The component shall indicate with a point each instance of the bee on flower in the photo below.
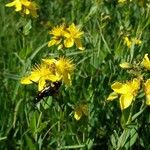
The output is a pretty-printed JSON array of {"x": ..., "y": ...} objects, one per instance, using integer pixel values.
[
  {"x": 50, "y": 72},
  {"x": 63, "y": 36},
  {"x": 25, "y": 6},
  {"x": 63, "y": 67},
  {"x": 40, "y": 74}
]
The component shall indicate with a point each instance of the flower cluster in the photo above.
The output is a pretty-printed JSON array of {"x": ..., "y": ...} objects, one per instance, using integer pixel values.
[
  {"x": 63, "y": 36},
  {"x": 51, "y": 73},
  {"x": 145, "y": 63},
  {"x": 50, "y": 70},
  {"x": 129, "y": 90},
  {"x": 25, "y": 6}
]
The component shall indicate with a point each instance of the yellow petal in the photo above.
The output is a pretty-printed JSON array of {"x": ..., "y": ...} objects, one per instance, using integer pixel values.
[
  {"x": 135, "y": 85},
  {"x": 32, "y": 7},
  {"x": 26, "y": 80},
  {"x": 125, "y": 101},
  {"x": 51, "y": 43},
  {"x": 11, "y": 4},
  {"x": 42, "y": 83},
  {"x": 74, "y": 31},
  {"x": 127, "y": 42},
  {"x": 146, "y": 62},
  {"x": 64, "y": 68},
  {"x": 34, "y": 77},
  {"x": 49, "y": 77},
  {"x": 18, "y": 6},
  {"x": 69, "y": 42},
  {"x": 67, "y": 78},
  {"x": 26, "y": 3},
  {"x": 147, "y": 87},
  {"x": 125, "y": 65},
  {"x": 66, "y": 34},
  {"x": 112, "y": 96},
  {"x": 148, "y": 99},
  {"x": 138, "y": 41},
  {"x": 54, "y": 41},
  {"x": 27, "y": 12},
  {"x": 84, "y": 108},
  {"x": 60, "y": 46},
  {"x": 49, "y": 61},
  {"x": 53, "y": 78},
  {"x": 119, "y": 88},
  {"x": 77, "y": 114},
  {"x": 58, "y": 30},
  {"x": 78, "y": 44}
]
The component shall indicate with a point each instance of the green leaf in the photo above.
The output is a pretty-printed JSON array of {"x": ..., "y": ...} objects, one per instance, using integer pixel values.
[
  {"x": 127, "y": 138},
  {"x": 114, "y": 139},
  {"x": 30, "y": 143},
  {"x": 42, "y": 126},
  {"x": 33, "y": 122},
  {"x": 46, "y": 103},
  {"x": 132, "y": 137},
  {"x": 27, "y": 28}
]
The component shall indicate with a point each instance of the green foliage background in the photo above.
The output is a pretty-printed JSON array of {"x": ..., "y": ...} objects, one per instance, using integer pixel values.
[{"x": 23, "y": 42}]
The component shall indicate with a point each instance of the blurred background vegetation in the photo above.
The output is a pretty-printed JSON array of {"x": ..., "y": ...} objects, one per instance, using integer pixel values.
[{"x": 23, "y": 42}]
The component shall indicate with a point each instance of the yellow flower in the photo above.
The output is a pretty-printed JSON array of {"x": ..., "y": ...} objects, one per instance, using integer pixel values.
[
  {"x": 50, "y": 70},
  {"x": 137, "y": 41},
  {"x": 80, "y": 110},
  {"x": 127, "y": 91},
  {"x": 57, "y": 33},
  {"x": 125, "y": 65},
  {"x": 65, "y": 68},
  {"x": 16, "y": 3},
  {"x": 66, "y": 37},
  {"x": 26, "y": 6},
  {"x": 129, "y": 42},
  {"x": 62, "y": 67},
  {"x": 41, "y": 74},
  {"x": 146, "y": 62},
  {"x": 147, "y": 91},
  {"x": 72, "y": 35},
  {"x": 32, "y": 9}
]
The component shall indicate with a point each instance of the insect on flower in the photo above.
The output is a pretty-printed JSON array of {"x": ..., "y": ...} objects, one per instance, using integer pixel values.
[{"x": 50, "y": 90}]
